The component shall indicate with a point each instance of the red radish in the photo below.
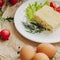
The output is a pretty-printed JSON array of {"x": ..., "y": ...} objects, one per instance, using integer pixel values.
[
  {"x": 13, "y": 1},
  {"x": 1, "y": 3},
  {"x": 5, "y": 34},
  {"x": 52, "y": 5},
  {"x": 58, "y": 9},
  {"x": 0, "y": 33}
]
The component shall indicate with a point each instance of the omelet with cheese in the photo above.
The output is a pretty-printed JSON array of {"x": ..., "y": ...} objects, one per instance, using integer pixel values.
[{"x": 48, "y": 18}]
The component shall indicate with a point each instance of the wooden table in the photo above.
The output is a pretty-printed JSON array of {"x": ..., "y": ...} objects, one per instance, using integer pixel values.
[{"x": 16, "y": 36}]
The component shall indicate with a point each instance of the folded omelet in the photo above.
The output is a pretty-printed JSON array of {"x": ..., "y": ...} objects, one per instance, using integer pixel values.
[{"x": 48, "y": 18}]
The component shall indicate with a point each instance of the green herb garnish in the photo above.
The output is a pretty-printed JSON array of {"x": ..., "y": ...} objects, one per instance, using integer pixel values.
[
  {"x": 33, "y": 27},
  {"x": 8, "y": 19}
]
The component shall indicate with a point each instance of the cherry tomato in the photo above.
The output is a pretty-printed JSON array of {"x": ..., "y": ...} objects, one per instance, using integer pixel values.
[
  {"x": 5, "y": 34},
  {"x": 58, "y": 9},
  {"x": 1, "y": 3},
  {"x": 13, "y": 1},
  {"x": 52, "y": 5}
]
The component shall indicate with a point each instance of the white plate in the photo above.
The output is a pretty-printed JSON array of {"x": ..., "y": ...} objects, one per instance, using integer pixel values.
[{"x": 43, "y": 37}]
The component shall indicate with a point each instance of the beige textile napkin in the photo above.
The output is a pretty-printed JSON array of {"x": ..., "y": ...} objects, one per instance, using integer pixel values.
[{"x": 9, "y": 49}]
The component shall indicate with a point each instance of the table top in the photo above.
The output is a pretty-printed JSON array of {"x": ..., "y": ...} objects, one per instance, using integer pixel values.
[{"x": 16, "y": 36}]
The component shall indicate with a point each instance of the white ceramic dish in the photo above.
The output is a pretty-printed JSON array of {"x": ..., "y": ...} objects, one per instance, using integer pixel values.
[{"x": 43, "y": 37}]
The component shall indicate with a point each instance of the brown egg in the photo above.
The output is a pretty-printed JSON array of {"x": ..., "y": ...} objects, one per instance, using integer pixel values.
[
  {"x": 48, "y": 49},
  {"x": 27, "y": 53},
  {"x": 40, "y": 56}
]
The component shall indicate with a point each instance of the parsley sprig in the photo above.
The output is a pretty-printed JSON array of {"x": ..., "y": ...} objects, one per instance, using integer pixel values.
[{"x": 8, "y": 19}]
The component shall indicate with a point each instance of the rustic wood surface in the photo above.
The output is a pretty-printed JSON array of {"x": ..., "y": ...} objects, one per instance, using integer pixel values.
[{"x": 17, "y": 37}]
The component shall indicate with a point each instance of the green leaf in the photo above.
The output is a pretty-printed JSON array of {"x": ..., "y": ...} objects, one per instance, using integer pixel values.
[
  {"x": 32, "y": 8},
  {"x": 46, "y": 3}
]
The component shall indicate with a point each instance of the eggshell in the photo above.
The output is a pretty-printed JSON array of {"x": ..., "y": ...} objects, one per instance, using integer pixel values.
[
  {"x": 48, "y": 49},
  {"x": 27, "y": 53},
  {"x": 40, "y": 56}
]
